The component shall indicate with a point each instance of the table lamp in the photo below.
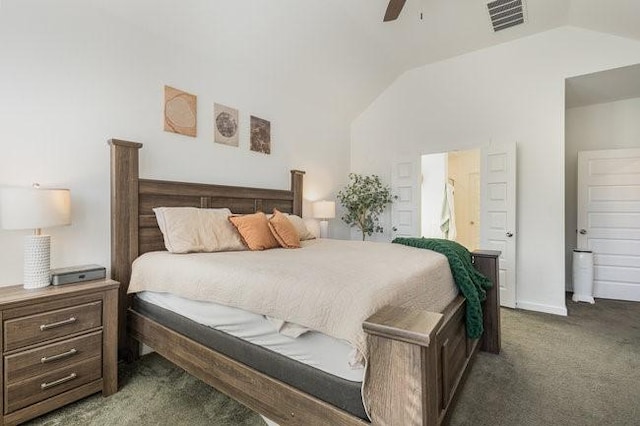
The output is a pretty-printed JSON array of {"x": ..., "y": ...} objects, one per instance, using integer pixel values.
[
  {"x": 324, "y": 210},
  {"x": 35, "y": 208}
]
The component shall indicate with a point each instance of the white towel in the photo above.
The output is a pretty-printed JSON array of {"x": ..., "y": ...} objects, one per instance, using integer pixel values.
[{"x": 448, "y": 216}]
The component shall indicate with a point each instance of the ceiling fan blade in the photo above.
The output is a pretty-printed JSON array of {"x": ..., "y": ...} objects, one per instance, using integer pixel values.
[{"x": 393, "y": 10}]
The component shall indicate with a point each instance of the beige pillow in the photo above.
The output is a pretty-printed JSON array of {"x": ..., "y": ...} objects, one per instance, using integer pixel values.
[
  {"x": 190, "y": 229},
  {"x": 254, "y": 229},
  {"x": 283, "y": 230},
  {"x": 298, "y": 223}
]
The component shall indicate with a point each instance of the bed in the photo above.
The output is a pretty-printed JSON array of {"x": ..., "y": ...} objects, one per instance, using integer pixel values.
[{"x": 417, "y": 360}]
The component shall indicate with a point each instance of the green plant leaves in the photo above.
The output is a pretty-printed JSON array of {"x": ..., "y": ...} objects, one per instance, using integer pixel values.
[{"x": 364, "y": 199}]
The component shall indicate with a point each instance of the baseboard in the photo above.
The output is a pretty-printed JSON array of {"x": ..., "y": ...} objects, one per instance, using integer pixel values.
[{"x": 539, "y": 307}]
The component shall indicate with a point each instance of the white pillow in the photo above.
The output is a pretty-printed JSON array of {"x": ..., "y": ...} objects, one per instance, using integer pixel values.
[
  {"x": 191, "y": 229},
  {"x": 303, "y": 231}
]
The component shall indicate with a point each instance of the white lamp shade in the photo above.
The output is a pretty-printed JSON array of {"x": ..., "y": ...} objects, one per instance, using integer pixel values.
[
  {"x": 324, "y": 209},
  {"x": 34, "y": 208}
]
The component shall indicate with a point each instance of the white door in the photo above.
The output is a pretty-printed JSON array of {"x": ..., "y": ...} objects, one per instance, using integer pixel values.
[
  {"x": 498, "y": 213},
  {"x": 609, "y": 219},
  {"x": 405, "y": 210},
  {"x": 474, "y": 210}
]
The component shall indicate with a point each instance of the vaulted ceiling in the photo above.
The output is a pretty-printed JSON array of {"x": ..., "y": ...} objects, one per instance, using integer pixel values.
[{"x": 344, "y": 44}]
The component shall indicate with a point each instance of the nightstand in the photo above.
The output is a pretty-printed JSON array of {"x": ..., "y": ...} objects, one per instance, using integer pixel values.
[{"x": 59, "y": 344}]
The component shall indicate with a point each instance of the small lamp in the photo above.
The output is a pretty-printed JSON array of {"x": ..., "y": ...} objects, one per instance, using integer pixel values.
[
  {"x": 324, "y": 210},
  {"x": 35, "y": 208}
]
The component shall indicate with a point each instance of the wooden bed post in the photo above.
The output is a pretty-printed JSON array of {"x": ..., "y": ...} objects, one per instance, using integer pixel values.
[
  {"x": 403, "y": 362},
  {"x": 124, "y": 224},
  {"x": 297, "y": 177},
  {"x": 486, "y": 261}
]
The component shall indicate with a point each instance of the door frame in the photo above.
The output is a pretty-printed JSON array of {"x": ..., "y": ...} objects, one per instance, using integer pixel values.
[{"x": 510, "y": 275}]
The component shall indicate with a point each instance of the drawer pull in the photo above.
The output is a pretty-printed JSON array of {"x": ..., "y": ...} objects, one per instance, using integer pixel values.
[
  {"x": 46, "y": 359},
  {"x": 58, "y": 382},
  {"x": 44, "y": 327}
]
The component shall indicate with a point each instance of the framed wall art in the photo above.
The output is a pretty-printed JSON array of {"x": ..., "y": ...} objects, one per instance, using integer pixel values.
[
  {"x": 260, "y": 135},
  {"x": 225, "y": 125},
  {"x": 180, "y": 112}
]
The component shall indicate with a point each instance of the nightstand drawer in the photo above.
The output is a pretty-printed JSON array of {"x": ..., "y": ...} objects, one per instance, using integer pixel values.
[
  {"x": 30, "y": 391},
  {"x": 28, "y": 330},
  {"x": 52, "y": 357}
]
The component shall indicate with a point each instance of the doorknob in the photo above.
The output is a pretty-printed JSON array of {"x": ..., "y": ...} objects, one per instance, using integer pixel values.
[
  {"x": 583, "y": 231},
  {"x": 509, "y": 234}
]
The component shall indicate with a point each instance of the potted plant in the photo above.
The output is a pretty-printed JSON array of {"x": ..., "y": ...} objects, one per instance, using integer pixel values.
[{"x": 364, "y": 199}]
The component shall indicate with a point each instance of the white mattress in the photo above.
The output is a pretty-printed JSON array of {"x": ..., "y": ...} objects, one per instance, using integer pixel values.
[{"x": 313, "y": 348}]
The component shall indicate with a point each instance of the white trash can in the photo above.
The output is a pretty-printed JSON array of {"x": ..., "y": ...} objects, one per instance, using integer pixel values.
[{"x": 583, "y": 276}]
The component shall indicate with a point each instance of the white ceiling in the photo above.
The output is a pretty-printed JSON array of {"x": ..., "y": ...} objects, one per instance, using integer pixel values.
[
  {"x": 354, "y": 51},
  {"x": 619, "y": 17}
]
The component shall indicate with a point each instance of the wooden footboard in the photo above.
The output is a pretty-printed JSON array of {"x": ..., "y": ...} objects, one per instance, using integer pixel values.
[{"x": 418, "y": 360}]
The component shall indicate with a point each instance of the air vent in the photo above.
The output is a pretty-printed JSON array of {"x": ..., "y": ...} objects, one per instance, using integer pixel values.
[{"x": 505, "y": 13}]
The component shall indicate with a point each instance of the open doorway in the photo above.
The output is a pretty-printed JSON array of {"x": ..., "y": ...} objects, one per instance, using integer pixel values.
[
  {"x": 451, "y": 197},
  {"x": 481, "y": 212},
  {"x": 602, "y": 129}
]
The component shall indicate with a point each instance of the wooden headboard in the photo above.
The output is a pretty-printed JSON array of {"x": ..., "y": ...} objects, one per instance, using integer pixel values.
[{"x": 134, "y": 229}]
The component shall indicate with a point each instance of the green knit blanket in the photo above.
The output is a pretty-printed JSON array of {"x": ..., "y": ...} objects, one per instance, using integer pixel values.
[{"x": 471, "y": 283}]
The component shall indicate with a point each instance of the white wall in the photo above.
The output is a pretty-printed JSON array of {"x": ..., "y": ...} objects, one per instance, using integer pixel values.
[
  {"x": 73, "y": 76},
  {"x": 510, "y": 92},
  {"x": 612, "y": 125},
  {"x": 434, "y": 176}
]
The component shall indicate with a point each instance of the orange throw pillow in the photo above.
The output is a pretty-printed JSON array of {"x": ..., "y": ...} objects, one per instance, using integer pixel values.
[
  {"x": 283, "y": 230},
  {"x": 254, "y": 229}
]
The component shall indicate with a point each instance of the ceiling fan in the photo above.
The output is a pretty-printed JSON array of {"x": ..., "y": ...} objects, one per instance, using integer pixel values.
[{"x": 393, "y": 10}]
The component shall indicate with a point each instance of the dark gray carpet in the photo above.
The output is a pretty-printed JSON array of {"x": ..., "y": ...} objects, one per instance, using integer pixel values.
[
  {"x": 583, "y": 369},
  {"x": 580, "y": 370}
]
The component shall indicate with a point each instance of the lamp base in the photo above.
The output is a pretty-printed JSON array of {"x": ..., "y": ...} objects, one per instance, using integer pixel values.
[
  {"x": 324, "y": 229},
  {"x": 37, "y": 257}
]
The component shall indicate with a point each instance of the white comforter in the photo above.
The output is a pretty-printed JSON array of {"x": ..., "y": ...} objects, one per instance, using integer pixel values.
[{"x": 330, "y": 286}]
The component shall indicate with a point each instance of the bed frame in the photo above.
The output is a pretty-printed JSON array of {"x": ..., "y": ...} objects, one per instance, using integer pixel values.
[{"x": 418, "y": 360}]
